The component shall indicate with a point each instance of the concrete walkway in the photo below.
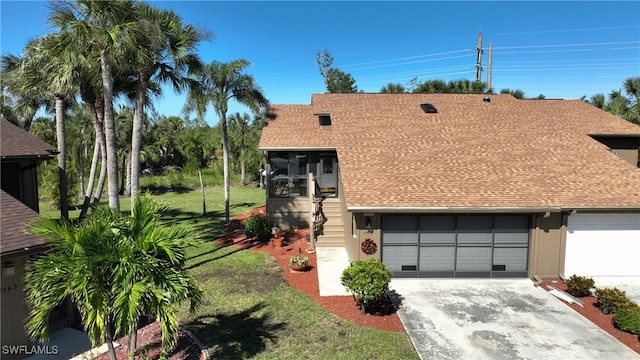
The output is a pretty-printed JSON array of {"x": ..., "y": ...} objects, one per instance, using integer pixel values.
[
  {"x": 331, "y": 263},
  {"x": 497, "y": 319}
]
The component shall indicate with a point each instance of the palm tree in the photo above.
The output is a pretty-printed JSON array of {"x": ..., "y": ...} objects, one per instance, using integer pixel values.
[
  {"x": 219, "y": 82},
  {"x": 107, "y": 25},
  {"x": 195, "y": 144},
  {"x": 114, "y": 268},
  {"x": 393, "y": 88},
  {"x": 240, "y": 128},
  {"x": 164, "y": 52},
  {"x": 51, "y": 73}
]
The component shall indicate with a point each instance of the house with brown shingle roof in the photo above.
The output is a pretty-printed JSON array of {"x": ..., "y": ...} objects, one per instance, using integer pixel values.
[
  {"x": 460, "y": 185},
  {"x": 20, "y": 154}
]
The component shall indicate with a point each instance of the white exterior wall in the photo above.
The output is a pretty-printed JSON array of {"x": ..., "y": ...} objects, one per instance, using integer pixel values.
[{"x": 603, "y": 245}]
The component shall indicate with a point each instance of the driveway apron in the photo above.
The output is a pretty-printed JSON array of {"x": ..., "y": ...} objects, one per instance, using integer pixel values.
[{"x": 497, "y": 319}]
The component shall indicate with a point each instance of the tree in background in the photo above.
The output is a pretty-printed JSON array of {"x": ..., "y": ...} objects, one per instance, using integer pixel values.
[
  {"x": 49, "y": 70},
  {"x": 107, "y": 25},
  {"x": 617, "y": 103},
  {"x": 393, "y": 88},
  {"x": 164, "y": 52},
  {"x": 518, "y": 94},
  {"x": 218, "y": 83},
  {"x": 195, "y": 144},
  {"x": 335, "y": 80}
]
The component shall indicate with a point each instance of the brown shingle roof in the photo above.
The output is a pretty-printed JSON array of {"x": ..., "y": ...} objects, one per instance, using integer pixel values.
[
  {"x": 506, "y": 153},
  {"x": 14, "y": 216},
  {"x": 17, "y": 143}
]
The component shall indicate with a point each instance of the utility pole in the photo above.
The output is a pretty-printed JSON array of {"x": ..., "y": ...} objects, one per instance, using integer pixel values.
[
  {"x": 479, "y": 59},
  {"x": 489, "y": 70}
]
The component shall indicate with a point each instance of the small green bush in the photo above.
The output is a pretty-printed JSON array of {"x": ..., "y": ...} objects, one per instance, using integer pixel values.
[
  {"x": 579, "y": 286},
  {"x": 258, "y": 226},
  {"x": 628, "y": 319},
  {"x": 609, "y": 300},
  {"x": 368, "y": 280}
]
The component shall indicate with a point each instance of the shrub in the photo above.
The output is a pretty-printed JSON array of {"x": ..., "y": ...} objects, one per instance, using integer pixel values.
[
  {"x": 579, "y": 286},
  {"x": 628, "y": 319},
  {"x": 258, "y": 226},
  {"x": 609, "y": 300},
  {"x": 368, "y": 280}
]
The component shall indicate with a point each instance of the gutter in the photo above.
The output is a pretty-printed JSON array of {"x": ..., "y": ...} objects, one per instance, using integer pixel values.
[
  {"x": 298, "y": 148},
  {"x": 453, "y": 209},
  {"x": 490, "y": 209}
]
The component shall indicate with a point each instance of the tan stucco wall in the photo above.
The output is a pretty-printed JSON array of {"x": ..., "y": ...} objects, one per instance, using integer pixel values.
[
  {"x": 547, "y": 245},
  {"x": 14, "y": 310}
]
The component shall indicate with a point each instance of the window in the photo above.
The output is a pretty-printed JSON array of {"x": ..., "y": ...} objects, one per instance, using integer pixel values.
[{"x": 288, "y": 174}]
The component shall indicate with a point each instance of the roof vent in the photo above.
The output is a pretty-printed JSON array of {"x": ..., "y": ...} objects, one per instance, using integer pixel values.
[
  {"x": 428, "y": 108},
  {"x": 486, "y": 99}
]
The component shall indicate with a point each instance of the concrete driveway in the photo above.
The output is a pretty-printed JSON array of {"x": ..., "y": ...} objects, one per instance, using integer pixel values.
[{"x": 497, "y": 319}]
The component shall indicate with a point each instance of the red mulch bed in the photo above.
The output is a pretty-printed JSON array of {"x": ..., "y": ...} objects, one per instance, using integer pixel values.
[
  {"x": 593, "y": 313},
  {"x": 149, "y": 340}
]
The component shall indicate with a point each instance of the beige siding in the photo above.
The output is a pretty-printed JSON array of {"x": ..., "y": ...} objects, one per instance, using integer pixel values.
[
  {"x": 546, "y": 254},
  {"x": 362, "y": 234},
  {"x": 289, "y": 212},
  {"x": 14, "y": 309}
]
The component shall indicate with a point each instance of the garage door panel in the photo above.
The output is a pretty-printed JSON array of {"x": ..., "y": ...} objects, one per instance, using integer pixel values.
[
  {"x": 395, "y": 257},
  {"x": 603, "y": 245},
  {"x": 475, "y": 229},
  {"x": 400, "y": 229},
  {"x": 514, "y": 259},
  {"x": 473, "y": 259},
  {"x": 437, "y": 229},
  {"x": 437, "y": 258},
  {"x": 511, "y": 230}
]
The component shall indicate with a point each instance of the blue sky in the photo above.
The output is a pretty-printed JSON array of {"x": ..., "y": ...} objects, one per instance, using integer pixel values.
[{"x": 559, "y": 49}]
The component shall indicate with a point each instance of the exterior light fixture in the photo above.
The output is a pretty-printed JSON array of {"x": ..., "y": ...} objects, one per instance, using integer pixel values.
[{"x": 369, "y": 225}]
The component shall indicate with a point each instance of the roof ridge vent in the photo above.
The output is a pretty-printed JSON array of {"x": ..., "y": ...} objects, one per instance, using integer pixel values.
[{"x": 429, "y": 108}]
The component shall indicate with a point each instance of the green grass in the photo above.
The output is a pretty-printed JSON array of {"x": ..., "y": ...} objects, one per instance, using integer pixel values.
[{"x": 249, "y": 310}]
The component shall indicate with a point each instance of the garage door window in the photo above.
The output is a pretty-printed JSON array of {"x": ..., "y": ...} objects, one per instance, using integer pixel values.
[{"x": 456, "y": 245}]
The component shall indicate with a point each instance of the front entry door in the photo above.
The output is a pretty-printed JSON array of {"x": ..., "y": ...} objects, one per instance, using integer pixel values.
[{"x": 328, "y": 175}]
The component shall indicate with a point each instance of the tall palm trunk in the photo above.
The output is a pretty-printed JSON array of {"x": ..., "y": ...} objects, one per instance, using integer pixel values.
[
  {"x": 62, "y": 157},
  {"x": 110, "y": 132},
  {"x": 225, "y": 160},
  {"x": 204, "y": 202},
  {"x": 97, "y": 194},
  {"x": 136, "y": 135},
  {"x": 99, "y": 143}
]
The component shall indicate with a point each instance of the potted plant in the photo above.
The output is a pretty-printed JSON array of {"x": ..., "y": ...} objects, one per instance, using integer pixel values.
[
  {"x": 299, "y": 262},
  {"x": 278, "y": 237}
]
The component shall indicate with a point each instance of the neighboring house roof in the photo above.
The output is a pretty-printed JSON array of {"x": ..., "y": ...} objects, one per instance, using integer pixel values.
[
  {"x": 506, "y": 154},
  {"x": 15, "y": 143},
  {"x": 14, "y": 216}
]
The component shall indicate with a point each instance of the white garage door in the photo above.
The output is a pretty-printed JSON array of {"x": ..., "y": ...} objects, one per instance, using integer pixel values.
[{"x": 603, "y": 245}]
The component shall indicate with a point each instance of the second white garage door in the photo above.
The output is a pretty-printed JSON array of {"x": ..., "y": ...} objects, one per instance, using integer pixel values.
[{"x": 603, "y": 245}]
